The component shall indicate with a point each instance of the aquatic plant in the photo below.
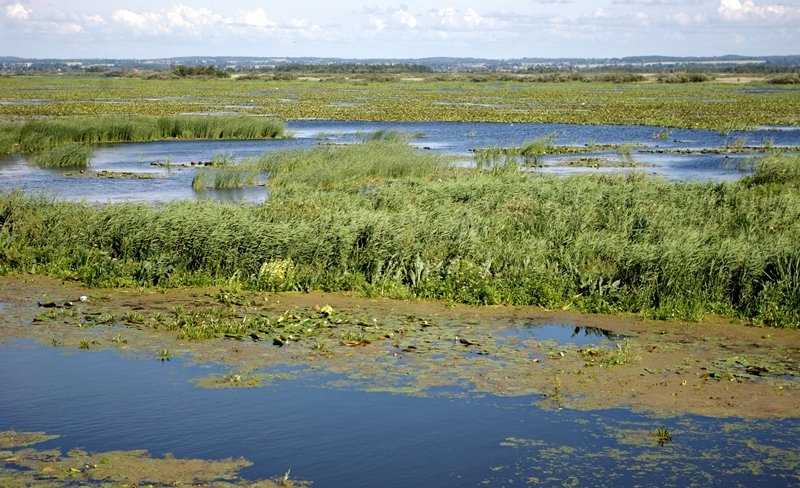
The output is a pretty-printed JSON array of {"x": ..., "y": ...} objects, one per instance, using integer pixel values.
[
  {"x": 499, "y": 159},
  {"x": 696, "y": 105},
  {"x": 662, "y": 436},
  {"x": 70, "y": 156},
  {"x": 776, "y": 168},
  {"x": 225, "y": 173},
  {"x": 383, "y": 218},
  {"x": 38, "y": 135},
  {"x": 353, "y": 167},
  {"x": 625, "y": 152},
  {"x": 530, "y": 151}
]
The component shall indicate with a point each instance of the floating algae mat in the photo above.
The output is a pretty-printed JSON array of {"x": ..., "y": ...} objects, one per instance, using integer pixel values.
[{"x": 85, "y": 417}]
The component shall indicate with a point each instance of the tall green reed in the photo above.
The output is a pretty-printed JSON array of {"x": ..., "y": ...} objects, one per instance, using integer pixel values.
[
  {"x": 69, "y": 156},
  {"x": 337, "y": 220},
  {"x": 37, "y": 135}
]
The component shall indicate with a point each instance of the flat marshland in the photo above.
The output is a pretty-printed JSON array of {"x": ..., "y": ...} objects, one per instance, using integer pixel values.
[
  {"x": 377, "y": 266},
  {"x": 383, "y": 218},
  {"x": 386, "y": 220},
  {"x": 708, "y": 105}
]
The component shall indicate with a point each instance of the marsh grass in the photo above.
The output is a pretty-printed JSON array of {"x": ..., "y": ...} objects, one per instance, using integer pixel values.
[
  {"x": 69, "y": 156},
  {"x": 385, "y": 219},
  {"x": 37, "y": 135},
  {"x": 510, "y": 159},
  {"x": 625, "y": 153},
  {"x": 354, "y": 167},
  {"x": 226, "y": 173}
]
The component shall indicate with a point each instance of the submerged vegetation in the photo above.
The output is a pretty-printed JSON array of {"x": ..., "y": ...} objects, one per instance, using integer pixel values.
[
  {"x": 383, "y": 219},
  {"x": 52, "y": 467}
]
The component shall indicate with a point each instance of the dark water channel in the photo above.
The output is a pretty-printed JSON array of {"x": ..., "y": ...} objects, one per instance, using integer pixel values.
[
  {"x": 340, "y": 437},
  {"x": 452, "y": 138}
]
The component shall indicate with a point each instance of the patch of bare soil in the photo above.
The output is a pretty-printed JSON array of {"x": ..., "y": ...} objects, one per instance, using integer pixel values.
[{"x": 713, "y": 368}]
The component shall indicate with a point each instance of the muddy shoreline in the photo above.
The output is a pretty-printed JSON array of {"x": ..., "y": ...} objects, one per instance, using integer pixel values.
[{"x": 713, "y": 368}]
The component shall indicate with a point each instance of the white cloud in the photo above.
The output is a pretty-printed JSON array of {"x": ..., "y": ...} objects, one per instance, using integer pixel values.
[
  {"x": 94, "y": 20},
  {"x": 685, "y": 19},
  {"x": 741, "y": 10},
  {"x": 450, "y": 18},
  {"x": 376, "y": 23},
  {"x": 131, "y": 19},
  {"x": 17, "y": 11},
  {"x": 258, "y": 18},
  {"x": 179, "y": 18},
  {"x": 405, "y": 18},
  {"x": 475, "y": 20},
  {"x": 70, "y": 28},
  {"x": 477, "y": 28}
]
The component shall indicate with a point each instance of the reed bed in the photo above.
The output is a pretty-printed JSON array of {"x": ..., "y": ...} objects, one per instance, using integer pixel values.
[
  {"x": 68, "y": 156},
  {"x": 593, "y": 243},
  {"x": 354, "y": 167},
  {"x": 38, "y": 135},
  {"x": 226, "y": 173}
]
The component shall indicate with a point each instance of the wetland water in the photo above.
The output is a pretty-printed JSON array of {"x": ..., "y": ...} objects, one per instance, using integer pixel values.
[
  {"x": 676, "y": 154},
  {"x": 99, "y": 401}
]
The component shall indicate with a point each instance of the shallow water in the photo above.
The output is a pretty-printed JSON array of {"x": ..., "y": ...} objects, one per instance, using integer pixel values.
[
  {"x": 341, "y": 437},
  {"x": 564, "y": 334},
  {"x": 452, "y": 138}
]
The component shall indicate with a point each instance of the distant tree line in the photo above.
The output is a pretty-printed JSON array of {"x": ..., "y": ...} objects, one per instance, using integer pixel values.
[{"x": 207, "y": 70}]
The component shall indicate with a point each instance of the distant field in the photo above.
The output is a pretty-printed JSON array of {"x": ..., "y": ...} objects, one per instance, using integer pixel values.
[{"x": 718, "y": 105}]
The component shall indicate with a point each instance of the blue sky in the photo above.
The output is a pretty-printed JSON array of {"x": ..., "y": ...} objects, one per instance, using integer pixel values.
[{"x": 496, "y": 29}]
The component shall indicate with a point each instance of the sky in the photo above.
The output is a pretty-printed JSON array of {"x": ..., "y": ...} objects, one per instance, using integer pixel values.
[{"x": 495, "y": 29}]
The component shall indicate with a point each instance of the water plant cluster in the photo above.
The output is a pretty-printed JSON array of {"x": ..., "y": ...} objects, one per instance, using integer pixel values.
[
  {"x": 67, "y": 143},
  {"x": 384, "y": 219},
  {"x": 37, "y": 135},
  {"x": 31, "y": 467},
  {"x": 712, "y": 105}
]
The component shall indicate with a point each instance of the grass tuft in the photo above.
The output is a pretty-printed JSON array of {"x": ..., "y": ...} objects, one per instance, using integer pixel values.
[{"x": 70, "y": 156}]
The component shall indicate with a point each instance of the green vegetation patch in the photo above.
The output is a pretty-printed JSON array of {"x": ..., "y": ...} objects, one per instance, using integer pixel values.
[
  {"x": 30, "y": 467},
  {"x": 69, "y": 156},
  {"x": 43, "y": 134},
  {"x": 225, "y": 173},
  {"x": 472, "y": 98},
  {"x": 14, "y": 439},
  {"x": 383, "y": 219}
]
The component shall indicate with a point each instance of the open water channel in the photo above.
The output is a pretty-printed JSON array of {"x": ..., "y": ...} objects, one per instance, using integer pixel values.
[
  {"x": 675, "y": 154},
  {"x": 339, "y": 437}
]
